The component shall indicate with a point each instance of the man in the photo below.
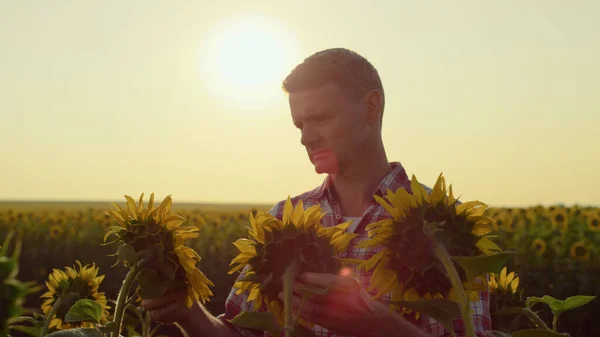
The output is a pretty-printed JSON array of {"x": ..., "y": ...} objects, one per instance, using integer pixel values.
[{"x": 337, "y": 101}]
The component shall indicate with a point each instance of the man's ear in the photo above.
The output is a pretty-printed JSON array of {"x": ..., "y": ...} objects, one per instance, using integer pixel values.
[{"x": 374, "y": 101}]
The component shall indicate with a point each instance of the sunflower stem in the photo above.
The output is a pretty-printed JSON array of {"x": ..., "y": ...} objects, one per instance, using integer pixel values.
[
  {"x": 465, "y": 308},
  {"x": 122, "y": 296},
  {"x": 50, "y": 316},
  {"x": 288, "y": 281}
]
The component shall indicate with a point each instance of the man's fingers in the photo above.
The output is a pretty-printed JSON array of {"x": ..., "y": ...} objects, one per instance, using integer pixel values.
[
  {"x": 156, "y": 303},
  {"x": 168, "y": 313},
  {"x": 319, "y": 279}
]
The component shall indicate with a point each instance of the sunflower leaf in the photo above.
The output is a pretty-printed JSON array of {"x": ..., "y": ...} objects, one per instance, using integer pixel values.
[
  {"x": 538, "y": 333},
  {"x": 84, "y": 310},
  {"x": 477, "y": 265},
  {"x": 127, "y": 254},
  {"x": 79, "y": 332},
  {"x": 108, "y": 327},
  {"x": 560, "y": 306},
  {"x": 264, "y": 321},
  {"x": 442, "y": 310},
  {"x": 29, "y": 330}
]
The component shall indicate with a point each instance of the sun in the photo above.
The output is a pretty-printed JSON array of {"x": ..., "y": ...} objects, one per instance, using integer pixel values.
[{"x": 244, "y": 60}]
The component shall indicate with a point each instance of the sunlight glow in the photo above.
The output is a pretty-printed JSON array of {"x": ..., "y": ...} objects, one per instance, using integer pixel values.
[{"x": 244, "y": 61}]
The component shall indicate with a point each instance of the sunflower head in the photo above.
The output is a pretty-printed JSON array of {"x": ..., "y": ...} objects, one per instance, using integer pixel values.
[
  {"x": 580, "y": 251},
  {"x": 503, "y": 282},
  {"x": 407, "y": 267},
  {"x": 559, "y": 218},
  {"x": 71, "y": 285},
  {"x": 158, "y": 237},
  {"x": 593, "y": 221},
  {"x": 275, "y": 244},
  {"x": 538, "y": 246}
]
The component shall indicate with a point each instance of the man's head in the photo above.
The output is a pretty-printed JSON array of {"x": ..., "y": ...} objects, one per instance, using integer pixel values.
[{"x": 336, "y": 99}]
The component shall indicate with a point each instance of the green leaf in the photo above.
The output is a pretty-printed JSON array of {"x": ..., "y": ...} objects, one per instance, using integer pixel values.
[
  {"x": 559, "y": 306},
  {"x": 109, "y": 327},
  {"x": 576, "y": 301},
  {"x": 477, "y": 265},
  {"x": 84, "y": 311},
  {"x": 538, "y": 333},
  {"x": 127, "y": 254},
  {"x": 547, "y": 299},
  {"x": 29, "y": 330},
  {"x": 79, "y": 332},
  {"x": 264, "y": 321},
  {"x": 442, "y": 310}
]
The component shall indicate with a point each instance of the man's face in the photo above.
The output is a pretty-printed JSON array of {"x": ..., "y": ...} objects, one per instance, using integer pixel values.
[{"x": 333, "y": 127}]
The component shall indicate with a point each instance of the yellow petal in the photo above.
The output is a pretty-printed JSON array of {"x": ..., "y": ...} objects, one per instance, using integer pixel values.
[
  {"x": 392, "y": 211},
  {"x": 287, "y": 211},
  {"x": 298, "y": 215},
  {"x": 419, "y": 191}
]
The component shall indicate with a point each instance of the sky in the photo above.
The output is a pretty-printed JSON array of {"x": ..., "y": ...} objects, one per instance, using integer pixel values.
[{"x": 99, "y": 99}]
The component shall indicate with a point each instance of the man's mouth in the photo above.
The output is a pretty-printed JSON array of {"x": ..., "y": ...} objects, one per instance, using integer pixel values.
[{"x": 319, "y": 154}]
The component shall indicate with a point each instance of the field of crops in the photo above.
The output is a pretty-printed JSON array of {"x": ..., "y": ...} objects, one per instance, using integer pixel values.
[{"x": 558, "y": 252}]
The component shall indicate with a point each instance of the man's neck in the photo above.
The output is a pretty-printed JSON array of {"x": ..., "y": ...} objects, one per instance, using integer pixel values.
[{"x": 355, "y": 186}]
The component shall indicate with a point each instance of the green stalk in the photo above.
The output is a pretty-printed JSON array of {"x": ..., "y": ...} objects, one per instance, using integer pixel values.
[
  {"x": 288, "y": 282},
  {"x": 465, "y": 308},
  {"x": 122, "y": 296},
  {"x": 50, "y": 316},
  {"x": 554, "y": 322}
]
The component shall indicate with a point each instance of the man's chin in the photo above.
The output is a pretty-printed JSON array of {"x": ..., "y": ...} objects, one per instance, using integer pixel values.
[{"x": 326, "y": 167}]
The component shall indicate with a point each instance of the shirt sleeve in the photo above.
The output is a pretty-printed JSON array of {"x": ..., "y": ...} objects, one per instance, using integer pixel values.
[{"x": 238, "y": 303}]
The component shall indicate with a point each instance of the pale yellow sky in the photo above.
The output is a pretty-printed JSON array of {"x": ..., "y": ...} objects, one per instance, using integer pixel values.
[{"x": 106, "y": 98}]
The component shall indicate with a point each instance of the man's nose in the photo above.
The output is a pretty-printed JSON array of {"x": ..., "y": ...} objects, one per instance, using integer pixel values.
[{"x": 309, "y": 136}]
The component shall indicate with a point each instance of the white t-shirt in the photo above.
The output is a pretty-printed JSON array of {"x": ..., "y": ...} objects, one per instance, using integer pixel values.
[{"x": 355, "y": 221}]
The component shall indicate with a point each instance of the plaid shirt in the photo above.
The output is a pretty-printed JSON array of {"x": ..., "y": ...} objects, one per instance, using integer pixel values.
[{"x": 323, "y": 196}]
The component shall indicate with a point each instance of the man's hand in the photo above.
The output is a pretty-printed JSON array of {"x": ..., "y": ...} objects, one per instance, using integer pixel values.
[
  {"x": 169, "y": 308},
  {"x": 346, "y": 309}
]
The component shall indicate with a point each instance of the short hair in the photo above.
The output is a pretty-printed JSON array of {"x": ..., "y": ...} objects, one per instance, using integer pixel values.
[{"x": 351, "y": 71}]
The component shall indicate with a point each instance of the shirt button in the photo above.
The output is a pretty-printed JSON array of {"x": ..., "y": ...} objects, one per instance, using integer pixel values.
[{"x": 338, "y": 216}]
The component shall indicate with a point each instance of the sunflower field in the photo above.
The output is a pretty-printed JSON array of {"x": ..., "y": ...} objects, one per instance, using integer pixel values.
[{"x": 66, "y": 246}]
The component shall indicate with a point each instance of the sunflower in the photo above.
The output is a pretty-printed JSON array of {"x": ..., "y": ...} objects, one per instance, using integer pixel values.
[
  {"x": 275, "y": 244},
  {"x": 593, "y": 221},
  {"x": 503, "y": 282},
  {"x": 579, "y": 251},
  {"x": 501, "y": 219},
  {"x": 55, "y": 232},
  {"x": 71, "y": 285},
  {"x": 539, "y": 246},
  {"x": 158, "y": 236},
  {"x": 559, "y": 218},
  {"x": 407, "y": 266},
  {"x": 532, "y": 215}
]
